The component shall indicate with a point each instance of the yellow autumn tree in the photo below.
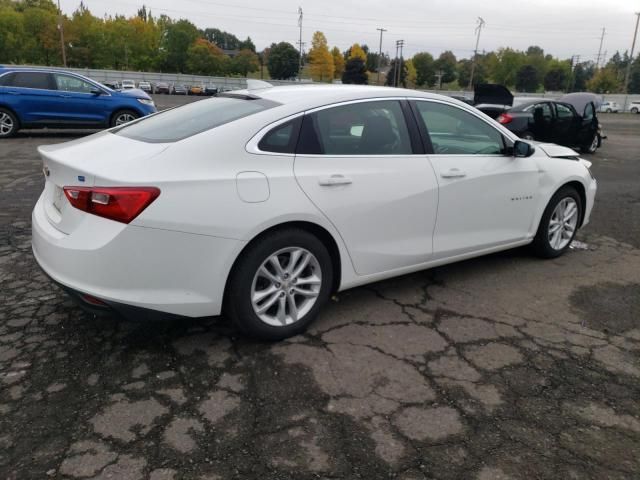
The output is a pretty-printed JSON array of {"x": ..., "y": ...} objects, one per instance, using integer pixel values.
[
  {"x": 338, "y": 62},
  {"x": 320, "y": 58},
  {"x": 356, "y": 51}
]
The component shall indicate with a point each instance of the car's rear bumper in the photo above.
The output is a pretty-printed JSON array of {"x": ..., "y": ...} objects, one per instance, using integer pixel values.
[{"x": 131, "y": 266}]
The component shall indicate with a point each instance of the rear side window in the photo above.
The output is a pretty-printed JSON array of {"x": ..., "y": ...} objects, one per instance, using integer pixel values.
[
  {"x": 563, "y": 111},
  {"x": 31, "y": 80},
  {"x": 282, "y": 139},
  {"x": 180, "y": 123},
  {"x": 364, "y": 128}
]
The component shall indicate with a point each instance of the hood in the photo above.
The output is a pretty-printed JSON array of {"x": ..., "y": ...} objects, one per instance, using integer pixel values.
[
  {"x": 557, "y": 151},
  {"x": 492, "y": 93},
  {"x": 580, "y": 100},
  {"x": 134, "y": 93}
]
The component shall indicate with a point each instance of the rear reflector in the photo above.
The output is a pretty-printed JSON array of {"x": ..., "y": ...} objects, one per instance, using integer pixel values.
[
  {"x": 91, "y": 300},
  {"x": 121, "y": 204},
  {"x": 505, "y": 118}
]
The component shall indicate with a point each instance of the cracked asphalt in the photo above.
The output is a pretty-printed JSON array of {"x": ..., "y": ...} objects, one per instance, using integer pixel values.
[{"x": 502, "y": 367}]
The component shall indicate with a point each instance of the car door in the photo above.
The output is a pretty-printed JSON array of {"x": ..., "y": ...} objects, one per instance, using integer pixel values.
[
  {"x": 78, "y": 104},
  {"x": 564, "y": 125},
  {"x": 588, "y": 126},
  {"x": 363, "y": 167},
  {"x": 32, "y": 95},
  {"x": 542, "y": 121},
  {"x": 487, "y": 197}
]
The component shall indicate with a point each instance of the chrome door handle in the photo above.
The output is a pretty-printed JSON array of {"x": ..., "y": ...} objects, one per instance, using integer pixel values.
[
  {"x": 453, "y": 173},
  {"x": 334, "y": 180}
]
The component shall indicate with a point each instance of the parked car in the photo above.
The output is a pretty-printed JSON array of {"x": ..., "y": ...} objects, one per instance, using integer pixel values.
[
  {"x": 634, "y": 107},
  {"x": 610, "y": 107},
  {"x": 210, "y": 90},
  {"x": 492, "y": 99},
  {"x": 38, "y": 97},
  {"x": 376, "y": 192},
  {"x": 196, "y": 90},
  {"x": 179, "y": 89},
  {"x": 112, "y": 85},
  {"x": 163, "y": 87},
  {"x": 145, "y": 87},
  {"x": 127, "y": 84},
  {"x": 555, "y": 122}
]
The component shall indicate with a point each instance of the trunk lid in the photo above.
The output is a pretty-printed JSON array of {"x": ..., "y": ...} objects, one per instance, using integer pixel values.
[{"x": 76, "y": 163}]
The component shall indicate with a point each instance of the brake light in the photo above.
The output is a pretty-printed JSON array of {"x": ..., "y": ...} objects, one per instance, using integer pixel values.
[
  {"x": 505, "y": 118},
  {"x": 121, "y": 204}
]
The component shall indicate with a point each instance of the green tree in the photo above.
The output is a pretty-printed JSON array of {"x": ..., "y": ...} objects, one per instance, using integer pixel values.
[
  {"x": 391, "y": 75},
  {"x": 247, "y": 45},
  {"x": 283, "y": 61},
  {"x": 425, "y": 69},
  {"x": 355, "y": 71},
  {"x": 204, "y": 58},
  {"x": 177, "y": 40},
  {"x": 446, "y": 64},
  {"x": 527, "y": 79},
  {"x": 338, "y": 62},
  {"x": 509, "y": 62},
  {"x": 604, "y": 81},
  {"x": 11, "y": 35},
  {"x": 320, "y": 58},
  {"x": 244, "y": 62},
  {"x": 634, "y": 80}
]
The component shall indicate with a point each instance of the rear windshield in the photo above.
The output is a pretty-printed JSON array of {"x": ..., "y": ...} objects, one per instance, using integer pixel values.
[{"x": 180, "y": 123}]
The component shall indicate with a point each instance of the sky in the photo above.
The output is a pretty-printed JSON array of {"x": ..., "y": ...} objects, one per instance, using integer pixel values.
[{"x": 562, "y": 28}]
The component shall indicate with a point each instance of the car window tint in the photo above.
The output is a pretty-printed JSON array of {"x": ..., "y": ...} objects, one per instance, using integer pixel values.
[
  {"x": 365, "y": 128},
  {"x": 281, "y": 139},
  {"x": 69, "y": 83},
  {"x": 5, "y": 80},
  {"x": 31, "y": 80},
  {"x": 188, "y": 120},
  {"x": 564, "y": 111},
  {"x": 454, "y": 131}
]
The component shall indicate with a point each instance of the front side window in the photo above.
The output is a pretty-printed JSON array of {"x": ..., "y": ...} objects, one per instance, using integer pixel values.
[
  {"x": 191, "y": 119},
  {"x": 564, "y": 112},
  {"x": 589, "y": 112},
  {"x": 38, "y": 80},
  {"x": 68, "y": 83},
  {"x": 454, "y": 131},
  {"x": 365, "y": 128}
]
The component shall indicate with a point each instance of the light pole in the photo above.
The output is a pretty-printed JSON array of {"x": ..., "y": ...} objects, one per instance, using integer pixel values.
[
  {"x": 628, "y": 74},
  {"x": 380, "y": 53},
  {"x": 60, "y": 27}
]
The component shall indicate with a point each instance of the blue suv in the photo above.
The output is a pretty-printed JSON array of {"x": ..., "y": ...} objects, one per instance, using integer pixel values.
[{"x": 38, "y": 98}]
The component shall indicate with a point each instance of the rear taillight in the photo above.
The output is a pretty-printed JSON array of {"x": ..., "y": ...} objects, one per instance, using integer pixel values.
[
  {"x": 505, "y": 118},
  {"x": 121, "y": 204}
]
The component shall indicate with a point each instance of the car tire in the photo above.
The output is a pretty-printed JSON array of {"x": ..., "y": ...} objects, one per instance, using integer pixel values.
[
  {"x": 592, "y": 146},
  {"x": 9, "y": 124},
  {"x": 527, "y": 136},
  {"x": 255, "y": 274},
  {"x": 557, "y": 227},
  {"x": 609, "y": 110},
  {"x": 635, "y": 110},
  {"x": 123, "y": 116}
]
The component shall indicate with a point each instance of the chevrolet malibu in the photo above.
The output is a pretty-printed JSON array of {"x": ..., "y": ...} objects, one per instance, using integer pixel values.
[{"x": 260, "y": 203}]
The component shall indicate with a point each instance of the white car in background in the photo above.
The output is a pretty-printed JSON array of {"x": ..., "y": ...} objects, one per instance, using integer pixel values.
[
  {"x": 261, "y": 203},
  {"x": 634, "y": 107},
  {"x": 610, "y": 107},
  {"x": 127, "y": 84}
]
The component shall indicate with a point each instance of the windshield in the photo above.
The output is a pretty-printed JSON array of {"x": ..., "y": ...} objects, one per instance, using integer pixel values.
[{"x": 188, "y": 120}]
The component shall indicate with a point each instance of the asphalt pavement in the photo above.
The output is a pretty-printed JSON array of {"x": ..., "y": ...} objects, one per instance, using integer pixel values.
[{"x": 502, "y": 367}]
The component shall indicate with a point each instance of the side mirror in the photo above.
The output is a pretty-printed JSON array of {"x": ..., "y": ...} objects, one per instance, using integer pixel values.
[
  {"x": 96, "y": 91},
  {"x": 522, "y": 149}
]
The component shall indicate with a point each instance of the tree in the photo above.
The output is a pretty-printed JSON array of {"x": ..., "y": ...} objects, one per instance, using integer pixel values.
[
  {"x": 177, "y": 40},
  {"x": 605, "y": 81},
  {"x": 479, "y": 73},
  {"x": 509, "y": 62},
  {"x": 338, "y": 62},
  {"x": 247, "y": 45},
  {"x": 412, "y": 75},
  {"x": 556, "y": 79},
  {"x": 425, "y": 69},
  {"x": 283, "y": 61},
  {"x": 355, "y": 71},
  {"x": 392, "y": 73},
  {"x": 581, "y": 75},
  {"x": 527, "y": 79},
  {"x": 320, "y": 58},
  {"x": 222, "y": 39},
  {"x": 446, "y": 64},
  {"x": 204, "y": 58},
  {"x": 244, "y": 62},
  {"x": 357, "y": 52},
  {"x": 634, "y": 80}
]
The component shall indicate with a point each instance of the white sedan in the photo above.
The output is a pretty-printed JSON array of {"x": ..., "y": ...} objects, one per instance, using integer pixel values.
[{"x": 259, "y": 204}]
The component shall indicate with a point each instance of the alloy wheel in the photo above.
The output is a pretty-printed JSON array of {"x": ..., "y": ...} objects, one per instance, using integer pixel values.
[
  {"x": 563, "y": 223},
  {"x": 124, "y": 118},
  {"x": 594, "y": 144},
  {"x": 6, "y": 124},
  {"x": 286, "y": 286}
]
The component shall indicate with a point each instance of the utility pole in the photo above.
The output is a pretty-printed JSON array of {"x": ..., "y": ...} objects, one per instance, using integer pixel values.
[
  {"x": 481, "y": 23},
  {"x": 397, "y": 76},
  {"x": 380, "y": 53},
  {"x": 395, "y": 63},
  {"x": 60, "y": 27},
  {"x": 575, "y": 60},
  {"x": 628, "y": 74},
  {"x": 300, "y": 41},
  {"x": 401, "y": 63},
  {"x": 600, "y": 49}
]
